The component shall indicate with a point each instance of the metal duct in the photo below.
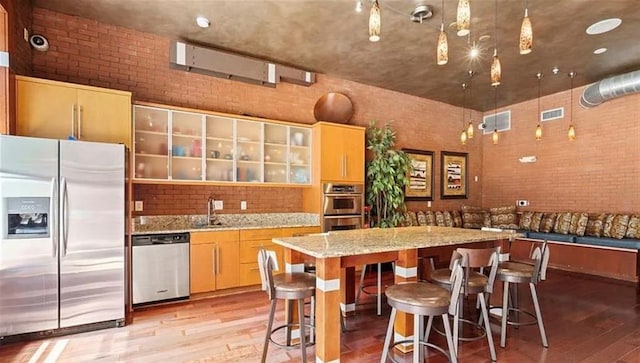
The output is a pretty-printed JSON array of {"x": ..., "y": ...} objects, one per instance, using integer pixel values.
[{"x": 610, "y": 88}]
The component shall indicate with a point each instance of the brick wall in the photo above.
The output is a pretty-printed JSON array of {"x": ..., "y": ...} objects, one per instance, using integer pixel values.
[
  {"x": 88, "y": 52},
  {"x": 597, "y": 172}
]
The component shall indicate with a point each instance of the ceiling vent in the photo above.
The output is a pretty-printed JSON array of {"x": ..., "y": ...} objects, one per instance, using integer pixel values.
[
  {"x": 500, "y": 121},
  {"x": 217, "y": 63},
  {"x": 552, "y": 114}
]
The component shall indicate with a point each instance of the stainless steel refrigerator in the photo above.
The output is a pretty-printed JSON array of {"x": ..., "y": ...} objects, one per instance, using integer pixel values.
[{"x": 62, "y": 234}]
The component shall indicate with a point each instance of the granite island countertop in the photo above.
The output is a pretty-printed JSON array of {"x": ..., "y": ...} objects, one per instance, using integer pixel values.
[
  {"x": 228, "y": 222},
  {"x": 376, "y": 240}
]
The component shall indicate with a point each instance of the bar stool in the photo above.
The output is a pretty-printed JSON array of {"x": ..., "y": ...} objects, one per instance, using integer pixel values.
[
  {"x": 296, "y": 286},
  {"x": 424, "y": 299},
  {"x": 476, "y": 281},
  {"x": 519, "y": 273},
  {"x": 378, "y": 293}
]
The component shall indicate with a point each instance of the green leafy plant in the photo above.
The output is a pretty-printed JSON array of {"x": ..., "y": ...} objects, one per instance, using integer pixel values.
[{"x": 387, "y": 172}]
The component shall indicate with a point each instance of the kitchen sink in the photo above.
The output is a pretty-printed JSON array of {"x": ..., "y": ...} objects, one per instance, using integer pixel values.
[{"x": 208, "y": 226}]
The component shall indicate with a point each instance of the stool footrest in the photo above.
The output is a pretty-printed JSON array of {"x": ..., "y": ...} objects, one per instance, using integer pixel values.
[
  {"x": 482, "y": 332},
  {"x": 422, "y": 343},
  {"x": 291, "y": 325}
]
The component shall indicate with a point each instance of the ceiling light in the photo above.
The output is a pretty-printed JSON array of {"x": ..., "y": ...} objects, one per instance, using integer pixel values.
[
  {"x": 442, "y": 51},
  {"x": 599, "y": 50},
  {"x": 463, "y": 17},
  {"x": 474, "y": 52},
  {"x": 358, "y": 6},
  {"x": 495, "y": 136},
  {"x": 463, "y": 135},
  {"x": 496, "y": 69},
  {"x": 374, "y": 22},
  {"x": 572, "y": 131},
  {"x": 526, "y": 34},
  {"x": 203, "y": 22},
  {"x": 539, "y": 127},
  {"x": 470, "y": 127},
  {"x": 603, "y": 26}
]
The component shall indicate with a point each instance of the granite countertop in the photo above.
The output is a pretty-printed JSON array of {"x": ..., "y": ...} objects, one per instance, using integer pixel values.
[
  {"x": 376, "y": 240},
  {"x": 227, "y": 222}
]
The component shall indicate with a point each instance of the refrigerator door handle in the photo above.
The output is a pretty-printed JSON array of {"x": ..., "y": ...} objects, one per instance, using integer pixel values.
[
  {"x": 64, "y": 217},
  {"x": 52, "y": 214}
]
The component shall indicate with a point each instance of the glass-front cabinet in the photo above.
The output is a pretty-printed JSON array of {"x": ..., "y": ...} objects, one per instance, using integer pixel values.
[{"x": 176, "y": 145}]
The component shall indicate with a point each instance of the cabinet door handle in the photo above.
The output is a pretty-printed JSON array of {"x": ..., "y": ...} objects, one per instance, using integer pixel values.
[
  {"x": 217, "y": 260},
  {"x": 73, "y": 120},
  {"x": 213, "y": 259},
  {"x": 79, "y": 122},
  {"x": 346, "y": 166}
]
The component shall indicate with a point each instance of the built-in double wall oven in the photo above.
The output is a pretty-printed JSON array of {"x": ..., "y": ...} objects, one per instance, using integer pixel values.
[{"x": 342, "y": 206}]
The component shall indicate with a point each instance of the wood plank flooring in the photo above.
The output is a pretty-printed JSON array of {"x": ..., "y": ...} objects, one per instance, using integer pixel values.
[{"x": 587, "y": 320}]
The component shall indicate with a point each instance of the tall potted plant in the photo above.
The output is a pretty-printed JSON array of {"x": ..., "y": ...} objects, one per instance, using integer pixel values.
[{"x": 387, "y": 172}]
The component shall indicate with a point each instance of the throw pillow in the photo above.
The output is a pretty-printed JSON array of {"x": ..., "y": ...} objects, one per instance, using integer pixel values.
[
  {"x": 413, "y": 218},
  {"x": 619, "y": 226},
  {"x": 457, "y": 218},
  {"x": 525, "y": 221},
  {"x": 632, "y": 228},
  {"x": 563, "y": 221},
  {"x": 472, "y": 217},
  {"x": 431, "y": 218},
  {"x": 595, "y": 225},
  {"x": 422, "y": 218},
  {"x": 608, "y": 223},
  {"x": 448, "y": 219},
  {"x": 504, "y": 217},
  {"x": 486, "y": 219},
  {"x": 535, "y": 221},
  {"x": 578, "y": 223},
  {"x": 440, "y": 219},
  {"x": 548, "y": 220}
]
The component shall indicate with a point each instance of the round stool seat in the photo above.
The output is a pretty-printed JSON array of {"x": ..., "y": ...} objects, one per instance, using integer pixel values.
[
  {"x": 296, "y": 285},
  {"x": 419, "y": 298},
  {"x": 517, "y": 272},
  {"x": 476, "y": 282}
]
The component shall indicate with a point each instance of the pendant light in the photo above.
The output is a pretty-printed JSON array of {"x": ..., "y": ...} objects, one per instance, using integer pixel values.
[
  {"x": 463, "y": 18},
  {"x": 495, "y": 136},
  {"x": 463, "y": 135},
  {"x": 374, "y": 22},
  {"x": 526, "y": 32},
  {"x": 572, "y": 131},
  {"x": 539, "y": 127},
  {"x": 496, "y": 69},
  {"x": 470, "y": 127},
  {"x": 442, "y": 52}
]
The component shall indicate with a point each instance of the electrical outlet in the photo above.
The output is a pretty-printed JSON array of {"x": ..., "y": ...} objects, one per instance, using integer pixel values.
[
  {"x": 218, "y": 205},
  {"x": 138, "y": 206},
  {"x": 428, "y": 204},
  {"x": 243, "y": 205},
  {"x": 522, "y": 203}
]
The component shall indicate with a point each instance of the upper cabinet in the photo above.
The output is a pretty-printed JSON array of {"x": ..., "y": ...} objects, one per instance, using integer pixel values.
[
  {"x": 62, "y": 110},
  {"x": 179, "y": 145},
  {"x": 341, "y": 152}
]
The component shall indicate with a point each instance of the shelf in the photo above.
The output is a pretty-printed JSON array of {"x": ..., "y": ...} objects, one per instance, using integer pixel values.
[
  {"x": 185, "y": 158},
  {"x": 248, "y": 162},
  {"x": 221, "y": 139},
  {"x": 149, "y": 132},
  {"x": 220, "y": 160},
  {"x": 275, "y": 144},
  {"x": 266, "y": 163},
  {"x": 187, "y": 136},
  {"x": 145, "y": 155}
]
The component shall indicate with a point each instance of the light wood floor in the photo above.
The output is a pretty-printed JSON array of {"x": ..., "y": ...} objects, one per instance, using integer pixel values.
[{"x": 587, "y": 320}]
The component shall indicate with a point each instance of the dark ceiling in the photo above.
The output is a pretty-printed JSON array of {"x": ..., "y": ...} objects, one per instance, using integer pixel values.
[{"x": 329, "y": 37}]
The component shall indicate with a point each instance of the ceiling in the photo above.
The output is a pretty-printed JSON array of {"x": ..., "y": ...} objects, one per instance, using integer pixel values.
[{"x": 329, "y": 37}]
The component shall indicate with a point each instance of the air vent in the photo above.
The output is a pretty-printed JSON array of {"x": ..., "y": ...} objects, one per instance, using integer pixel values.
[
  {"x": 553, "y": 114},
  {"x": 500, "y": 121}
]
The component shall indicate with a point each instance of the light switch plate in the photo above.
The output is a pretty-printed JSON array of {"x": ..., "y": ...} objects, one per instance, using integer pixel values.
[
  {"x": 243, "y": 205},
  {"x": 218, "y": 205},
  {"x": 138, "y": 206}
]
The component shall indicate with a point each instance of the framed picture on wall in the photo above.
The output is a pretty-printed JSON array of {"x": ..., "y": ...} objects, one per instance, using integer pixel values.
[
  {"x": 421, "y": 175},
  {"x": 454, "y": 175}
]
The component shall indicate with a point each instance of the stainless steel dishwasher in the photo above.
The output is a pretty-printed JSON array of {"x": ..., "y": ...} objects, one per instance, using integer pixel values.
[{"x": 160, "y": 267}]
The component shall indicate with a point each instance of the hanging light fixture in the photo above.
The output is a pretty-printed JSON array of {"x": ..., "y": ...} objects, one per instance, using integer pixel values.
[
  {"x": 470, "y": 127},
  {"x": 442, "y": 52},
  {"x": 463, "y": 18},
  {"x": 463, "y": 135},
  {"x": 496, "y": 69},
  {"x": 374, "y": 22},
  {"x": 526, "y": 32},
  {"x": 359, "y": 6},
  {"x": 539, "y": 127},
  {"x": 572, "y": 131},
  {"x": 495, "y": 136}
]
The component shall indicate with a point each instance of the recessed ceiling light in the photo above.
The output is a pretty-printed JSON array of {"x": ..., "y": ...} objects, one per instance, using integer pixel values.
[
  {"x": 603, "y": 26},
  {"x": 599, "y": 50},
  {"x": 203, "y": 22}
]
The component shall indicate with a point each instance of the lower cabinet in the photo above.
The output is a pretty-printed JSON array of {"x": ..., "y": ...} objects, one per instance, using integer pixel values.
[
  {"x": 214, "y": 261},
  {"x": 251, "y": 241}
]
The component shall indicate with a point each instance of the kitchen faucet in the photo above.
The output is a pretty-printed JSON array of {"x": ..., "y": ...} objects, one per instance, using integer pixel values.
[{"x": 212, "y": 219}]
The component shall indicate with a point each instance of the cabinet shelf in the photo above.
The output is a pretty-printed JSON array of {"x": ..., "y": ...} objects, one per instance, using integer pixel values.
[
  {"x": 196, "y": 158},
  {"x": 274, "y": 163},
  {"x": 187, "y": 136},
  {"x": 145, "y": 155},
  {"x": 275, "y": 144},
  {"x": 221, "y": 139},
  {"x": 150, "y": 132}
]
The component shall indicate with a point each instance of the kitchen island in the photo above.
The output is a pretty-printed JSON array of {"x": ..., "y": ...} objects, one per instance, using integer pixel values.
[{"x": 338, "y": 252}]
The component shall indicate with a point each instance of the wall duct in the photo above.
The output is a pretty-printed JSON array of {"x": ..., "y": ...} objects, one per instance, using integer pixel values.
[
  {"x": 217, "y": 63},
  {"x": 610, "y": 88}
]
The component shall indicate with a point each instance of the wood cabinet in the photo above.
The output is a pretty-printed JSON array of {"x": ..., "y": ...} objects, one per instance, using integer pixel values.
[
  {"x": 172, "y": 144},
  {"x": 60, "y": 110},
  {"x": 341, "y": 154},
  {"x": 214, "y": 261},
  {"x": 251, "y": 241}
]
